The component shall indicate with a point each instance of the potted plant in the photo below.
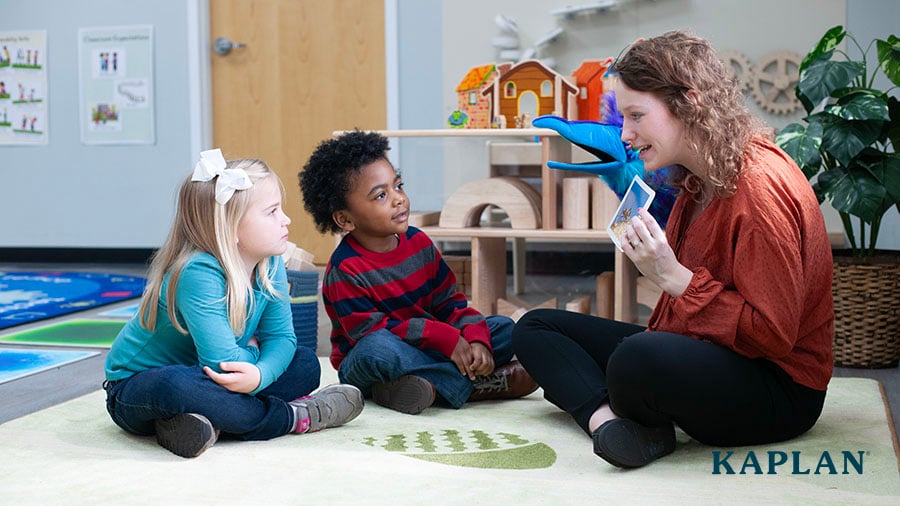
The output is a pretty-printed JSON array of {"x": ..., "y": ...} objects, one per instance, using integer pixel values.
[{"x": 846, "y": 146}]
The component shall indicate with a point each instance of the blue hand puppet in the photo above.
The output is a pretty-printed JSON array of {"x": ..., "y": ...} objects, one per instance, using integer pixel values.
[{"x": 616, "y": 163}]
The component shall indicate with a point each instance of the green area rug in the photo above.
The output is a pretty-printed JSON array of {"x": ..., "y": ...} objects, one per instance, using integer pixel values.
[
  {"x": 94, "y": 333},
  {"x": 511, "y": 452}
]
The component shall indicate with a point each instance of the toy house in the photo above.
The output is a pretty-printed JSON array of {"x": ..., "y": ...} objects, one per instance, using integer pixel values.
[
  {"x": 591, "y": 81},
  {"x": 528, "y": 90},
  {"x": 475, "y": 106}
]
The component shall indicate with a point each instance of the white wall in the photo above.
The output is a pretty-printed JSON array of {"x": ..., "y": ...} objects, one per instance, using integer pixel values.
[{"x": 66, "y": 194}]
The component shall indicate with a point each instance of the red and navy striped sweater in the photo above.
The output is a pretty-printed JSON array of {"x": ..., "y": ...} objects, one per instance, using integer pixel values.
[{"x": 410, "y": 291}]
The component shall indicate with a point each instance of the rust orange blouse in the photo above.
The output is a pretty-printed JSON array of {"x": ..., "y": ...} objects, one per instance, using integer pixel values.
[{"x": 762, "y": 268}]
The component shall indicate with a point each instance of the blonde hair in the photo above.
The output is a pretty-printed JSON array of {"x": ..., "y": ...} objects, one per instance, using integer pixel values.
[
  {"x": 685, "y": 72},
  {"x": 203, "y": 225}
]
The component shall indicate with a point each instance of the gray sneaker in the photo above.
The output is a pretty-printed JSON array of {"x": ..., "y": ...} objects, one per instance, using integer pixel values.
[
  {"x": 331, "y": 406},
  {"x": 186, "y": 435}
]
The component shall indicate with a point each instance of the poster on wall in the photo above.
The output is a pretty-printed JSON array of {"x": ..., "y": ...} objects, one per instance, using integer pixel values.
[
  {"x": 23, "y": 88},
  {"x": 115, "y": 77}
]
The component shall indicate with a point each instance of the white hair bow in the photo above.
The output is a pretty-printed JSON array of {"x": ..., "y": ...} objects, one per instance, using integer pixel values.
[{"x": 212, "y": 164}]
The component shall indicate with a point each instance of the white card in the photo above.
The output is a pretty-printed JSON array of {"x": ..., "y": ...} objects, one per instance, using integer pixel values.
[{"x": 638, "y": 196}]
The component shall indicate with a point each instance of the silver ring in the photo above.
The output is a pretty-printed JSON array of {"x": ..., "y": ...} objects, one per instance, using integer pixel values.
[{"x": 633, "y": 245}]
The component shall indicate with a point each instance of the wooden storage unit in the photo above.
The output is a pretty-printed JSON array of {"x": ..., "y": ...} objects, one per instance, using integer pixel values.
[{"x": 488, "y": 263}]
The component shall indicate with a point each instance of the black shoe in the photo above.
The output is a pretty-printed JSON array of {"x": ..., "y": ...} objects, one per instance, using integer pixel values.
[
  {"x": 626, "y": 443},
  {"x": 406, "y": 394},
  {"x": 186, "y": 435}
]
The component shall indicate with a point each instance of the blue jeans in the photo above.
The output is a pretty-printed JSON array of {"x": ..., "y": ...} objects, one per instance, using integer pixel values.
[
  {"x": 381, "y": 357},
  {"x": 136, "y": 402}
]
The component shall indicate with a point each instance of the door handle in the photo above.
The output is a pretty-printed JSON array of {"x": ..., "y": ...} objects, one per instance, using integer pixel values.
[{"x": 222, "y": 46}]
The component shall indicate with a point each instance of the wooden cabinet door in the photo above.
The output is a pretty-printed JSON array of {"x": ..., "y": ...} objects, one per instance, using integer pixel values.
[{"x": 307, "y": 68}]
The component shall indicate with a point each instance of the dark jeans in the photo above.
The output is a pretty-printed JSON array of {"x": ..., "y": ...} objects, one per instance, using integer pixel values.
[
  {"x": 381, "y": 357},
  {"x": 136, "y": 402},
  {"x": 715, "y": 395}
]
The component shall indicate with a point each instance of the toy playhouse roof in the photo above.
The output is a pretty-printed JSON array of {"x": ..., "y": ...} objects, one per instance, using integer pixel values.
[
  {"x": 590, "y": 70},
  {"x": 476, "y": 77}
]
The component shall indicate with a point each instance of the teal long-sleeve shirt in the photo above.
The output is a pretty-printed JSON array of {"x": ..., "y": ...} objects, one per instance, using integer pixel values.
[{"x": 200, "y": 300}]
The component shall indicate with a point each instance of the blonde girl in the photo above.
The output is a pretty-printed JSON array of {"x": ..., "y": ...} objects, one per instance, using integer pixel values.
[{"x": 212, "y": 349}]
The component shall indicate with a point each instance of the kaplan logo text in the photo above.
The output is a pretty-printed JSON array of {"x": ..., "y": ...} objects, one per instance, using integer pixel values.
[{"x": 796, "y": 462}]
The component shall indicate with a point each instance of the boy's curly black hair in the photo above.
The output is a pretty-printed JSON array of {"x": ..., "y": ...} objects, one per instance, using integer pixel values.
[{"x": 325, "y": 179}]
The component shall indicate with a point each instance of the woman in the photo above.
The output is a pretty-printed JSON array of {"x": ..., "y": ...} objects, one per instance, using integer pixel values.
[{"x": 738, "y": 348}]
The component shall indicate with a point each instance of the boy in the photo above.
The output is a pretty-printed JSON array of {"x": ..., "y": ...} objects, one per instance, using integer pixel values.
[{"x": 401, "y": 332}]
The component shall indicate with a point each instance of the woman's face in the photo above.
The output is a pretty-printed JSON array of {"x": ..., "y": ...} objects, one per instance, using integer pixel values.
[{"x": 651, "y": 129}]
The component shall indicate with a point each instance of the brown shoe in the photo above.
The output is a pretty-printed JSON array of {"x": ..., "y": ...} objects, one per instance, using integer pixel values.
[{"x": 510, "y": 381}]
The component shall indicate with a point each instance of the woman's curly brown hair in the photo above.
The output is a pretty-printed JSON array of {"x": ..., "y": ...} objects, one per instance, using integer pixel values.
[
  {"x": 719, "y": 126},
  {"x": 328, "y": 175}
]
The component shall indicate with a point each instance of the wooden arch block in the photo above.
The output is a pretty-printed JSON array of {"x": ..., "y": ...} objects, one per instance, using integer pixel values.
[{"x": 520, "y": 201}]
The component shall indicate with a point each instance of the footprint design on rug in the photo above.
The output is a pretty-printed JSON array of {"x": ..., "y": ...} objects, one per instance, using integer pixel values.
[{"x": 474, "y": 448}]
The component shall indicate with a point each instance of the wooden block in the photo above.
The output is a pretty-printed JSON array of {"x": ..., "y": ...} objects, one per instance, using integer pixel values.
[
  {"x": 605, "y": 294},
  {"x": 488, "y": 272},
  {"x": 576, "y": 203},
  {"x": 581, "y": 304},
  {"x": 518, "y": 199},
  {"x": 551, "y": 303},
  {"x": 603, "y": 204},
  {"x": 514, "y": 153},
  {"x": 647, "y": 292},
  {"x": 507, "y": 308},
  {"x": 460, "y": 264},
  {"x": 421, "y": 219},
  {"x": 511, "y": 309},
  {"x": 560, "y": 150}
]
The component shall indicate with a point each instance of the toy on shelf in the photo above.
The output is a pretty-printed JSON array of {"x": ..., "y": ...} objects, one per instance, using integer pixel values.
[
  {"x": 473, "y": 108},
  {"x": 592, "y": 80},
  {"x": 527, "y": 90}
]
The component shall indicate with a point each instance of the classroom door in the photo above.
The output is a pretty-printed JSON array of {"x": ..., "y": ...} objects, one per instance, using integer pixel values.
[{"x": 307, "y": 68}]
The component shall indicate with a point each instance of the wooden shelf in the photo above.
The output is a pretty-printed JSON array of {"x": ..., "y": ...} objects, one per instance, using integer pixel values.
[
  {"x": 466, "y": 132},
  {"x": 489, "y": 243},
  {"x": 560, "y": 235}
]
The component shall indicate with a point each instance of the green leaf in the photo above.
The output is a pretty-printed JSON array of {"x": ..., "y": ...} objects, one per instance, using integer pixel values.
[
  {"x": 823, "y": 77},
  {"x": 862, "y": 105},
  {"x": 893, "y": 126},
  {"x": 889, "y": 58},
  {"x": 844, "y": 139},
  {"x": 855, "y": 192},
  {"x": 829, "y": 41},
  {"x": 885, "y": 167},
  {"x": 802, "y": 144}
]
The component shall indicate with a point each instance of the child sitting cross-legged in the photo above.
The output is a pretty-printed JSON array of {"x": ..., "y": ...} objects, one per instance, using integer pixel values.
[
  {"x": 212, "y": 350},
  {"x": 401, "y": 331}
]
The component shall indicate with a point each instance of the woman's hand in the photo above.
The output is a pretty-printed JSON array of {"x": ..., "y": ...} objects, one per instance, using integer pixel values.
[
  {"x": 646, "y": 245},
  {"x": 240, "y": 377}
]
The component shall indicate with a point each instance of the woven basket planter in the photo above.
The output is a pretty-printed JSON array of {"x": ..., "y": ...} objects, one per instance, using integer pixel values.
[{"x": 866, "y": 313}]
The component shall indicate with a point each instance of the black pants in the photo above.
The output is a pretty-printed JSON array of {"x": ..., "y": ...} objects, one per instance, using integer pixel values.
[{"x": 715, "y": 395}]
